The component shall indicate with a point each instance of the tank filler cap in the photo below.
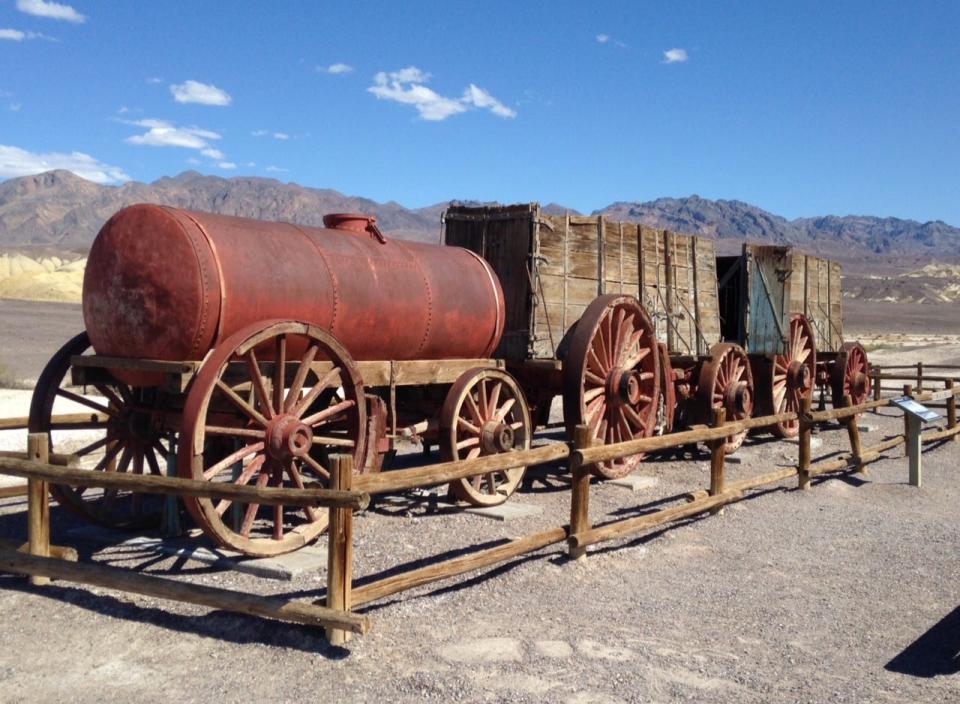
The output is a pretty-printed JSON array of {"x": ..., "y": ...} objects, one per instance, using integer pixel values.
[{"x": 354, "y": 222}]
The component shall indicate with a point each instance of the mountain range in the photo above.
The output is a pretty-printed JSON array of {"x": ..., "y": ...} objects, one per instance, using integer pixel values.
[{"x": 58, "y": 210}]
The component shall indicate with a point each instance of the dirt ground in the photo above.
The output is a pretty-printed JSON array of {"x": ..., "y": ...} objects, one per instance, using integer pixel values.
[{"x": 847, "y": 592}]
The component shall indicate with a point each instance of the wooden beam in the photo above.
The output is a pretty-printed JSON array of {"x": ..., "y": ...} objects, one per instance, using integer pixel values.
[
  {"x": 149, "y": 484},
  {"x": 744, "y": 485},
  {"x": 805, "y": 439},
  {"x": 580, "y": 494},
  {"x": 23, "y": 423},
  {"x": 38, "y": 505},
  {"x": 629, "y": 526},
  {"x": 604, "y": 453},
  {"x": 404, "y": 479},
  {"x": 186, "y": 592},
  {"x": 717, "y": 457},
  {"x": 458, "y": 565},
  {"x": 340, "y": 551},
  {"x": 60, "y": 552}
]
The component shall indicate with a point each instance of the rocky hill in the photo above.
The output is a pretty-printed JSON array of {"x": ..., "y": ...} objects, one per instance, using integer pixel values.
[
  {"x": 60, "y": 211},
  {"x": 845, "y": 238}
]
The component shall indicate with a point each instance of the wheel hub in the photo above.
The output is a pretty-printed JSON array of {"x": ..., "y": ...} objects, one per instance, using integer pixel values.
[
  {"x": 496, "y": 438},
  {"x": 799, "y": 376},
  {"x": 624, "y": 386},
  {"x": 858, "y": 384},
  {"x": 737, "y": 400},
  {"x": 287, "y": 437}
]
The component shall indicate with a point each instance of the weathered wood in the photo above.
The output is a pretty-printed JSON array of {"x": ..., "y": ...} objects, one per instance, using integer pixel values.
[
  {"x": 38, "y": 504},
  {"x": 853, "y": 433},
  {"x": 55, "y": 458},
  {"x": 717, "y": 457},
  {"x": 8, "y": 492},
  {"x": 946, "y": 433},
  {"x": 847, "y": 460},
  {"x": 580, "y": 494},
  {"x": 877, "y": 387},
  {"x": 64, "y": 418},
  {"x": 340, "y": 551},
  {"x": 907, "y": 391},
  {"x": 60, "y": 552},
  {"x": 951, "y": 405},
  {"x": 442, "y": 473},
  {"x": 459, "y": 565},
  {"x": 629, "y": 526},
  {"x": 311, "y": 495},
  {"x": 806, "y": 434},
  {"x": 913, "y": 377},
  {"x": 174, "y": 590},
  {"x": 746, "y": 484},
  {"x": 604, "y": 453}
]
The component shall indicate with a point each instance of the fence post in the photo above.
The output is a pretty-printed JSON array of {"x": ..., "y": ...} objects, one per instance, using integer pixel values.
[
  {"x": 951, "y": 406},
  {"x": 907, "y": 391},
  {"x": 580, "y": 496},
  {"x": 340, "y": 551},
  {"x": 853, "y": 432},
  {"x": 806, "y": 430},
  {"x": 875, "y": 371},
  {"x": 38, "y": 504},
  {"x": 717, "y": 458},
  {"x": 919, "y": 377}
]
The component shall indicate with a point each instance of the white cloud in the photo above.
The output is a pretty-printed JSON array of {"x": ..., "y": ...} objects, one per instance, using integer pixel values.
[
  {"x": 675, "y": 56},
  {"x": 193, "y": 161},
  {"x": 19, "y": 162},
  {"x": 406, "y": 86},
  {"x": 281, "y": 135},
  {"x": 15, "y": 35},
  {"x": 260, "y": 133},
  {"x": 202, "y": 93},
  {"x": 336, "y": 69},
  {"x": 15, "y": 107},
  {"x": 161, "y": 133},
  {"x": 50, "y": 10},
  {"x": 482, "y": 99},
  {"x": 226, "y": 165},
  {"x": 603, "y": 38},
  {"x": 251, "y": 164},
  {"x": 154, "y": 80},
  {"x": 276, "y": 169},
  {"x": 212, "y": 153}
]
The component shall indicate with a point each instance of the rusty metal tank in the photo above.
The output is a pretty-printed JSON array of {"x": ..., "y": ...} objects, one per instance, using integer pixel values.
[{"x": 168, "y": 284}]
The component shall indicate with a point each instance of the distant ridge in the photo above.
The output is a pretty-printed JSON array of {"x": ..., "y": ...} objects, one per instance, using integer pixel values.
[{"x": 60, "y": 211}]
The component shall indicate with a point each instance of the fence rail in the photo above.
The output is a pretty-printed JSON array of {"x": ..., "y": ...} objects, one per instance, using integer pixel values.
[{"x": 349, "y": 492}]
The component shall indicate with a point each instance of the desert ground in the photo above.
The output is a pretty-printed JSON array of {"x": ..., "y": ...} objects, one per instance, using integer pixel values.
[{"x": 849, "y": 592}]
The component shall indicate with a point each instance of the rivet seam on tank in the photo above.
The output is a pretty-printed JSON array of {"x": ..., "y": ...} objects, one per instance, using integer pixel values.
[
  {"x": 330, "y": 272},
  {"x": 429, "y": 291},
  {"x": 220, "y": 281},
  {"x": 204, "y": 276},
  {"x": 498, "y": 327}
]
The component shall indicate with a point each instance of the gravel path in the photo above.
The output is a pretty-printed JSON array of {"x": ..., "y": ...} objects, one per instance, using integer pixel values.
[{"x": 787, "y": 596}]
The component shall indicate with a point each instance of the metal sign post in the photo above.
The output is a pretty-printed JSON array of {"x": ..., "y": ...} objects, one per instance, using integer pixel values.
[{"x": 916, "y": 415}]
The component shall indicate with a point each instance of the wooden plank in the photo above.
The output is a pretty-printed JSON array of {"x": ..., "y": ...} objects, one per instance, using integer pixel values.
[
  {"x": 432, "y": 475},
  {"x": 38, "y": 505},
  {"x": 459, "y": 565},
  {"x": 340, "y": 551},
  {"x": 311, "y": 495},
  {"x": 23, "y": 423},
  {"x": 186, "y": 592},
  {"x": 580, "y": 494},
  {"x": 630, "y": 526},
  {"x": 132, "y": 364}
]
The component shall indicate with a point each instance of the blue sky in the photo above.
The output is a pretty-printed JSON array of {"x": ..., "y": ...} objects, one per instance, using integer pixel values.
[{"x": 803, "y": 109}]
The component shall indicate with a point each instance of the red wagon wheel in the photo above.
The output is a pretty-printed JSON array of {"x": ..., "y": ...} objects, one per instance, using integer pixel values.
[
  {"x": 286, "y": 394},
  {"x": 122, "y": 434},
  {"x": 850, "y": 375},
  {"x": 726, "y": 381},
  {"x": 485, "y": 413},
  {"x": 784, "y": 381},
  {"x": 610, "y": 377}
]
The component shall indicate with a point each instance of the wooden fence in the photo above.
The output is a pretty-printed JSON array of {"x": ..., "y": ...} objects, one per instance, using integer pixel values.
[{"x": 349, "y": 492}]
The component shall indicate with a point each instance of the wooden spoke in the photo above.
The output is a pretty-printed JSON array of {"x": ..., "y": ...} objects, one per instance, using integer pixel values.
[
  {"x": 333, "y": 442},
  {"x": 505, "y": 408},
  {"x": 87, "y": 449},
  {"x": 259, "y": 385},
  {"x": 328, "y": 413},
  {"x": 248, "y": 410},
  {"x": 152, "y": 462},
  {"x": 251, "y": 513},
  {"x": 83, "y": 400},
  {"x": 279, "y": 371},
  {"x": 232, "y": 459},
  {"x": 108, "y": 458},
  {"x": 301, "y": 376},
  {"x": 314, "y": 393},
  {"x": 316, "y": 467},
  {"x": 467, "y": 426},
  {"x": 235, "y": 432},
  {"x": 297, "y": 480}
]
